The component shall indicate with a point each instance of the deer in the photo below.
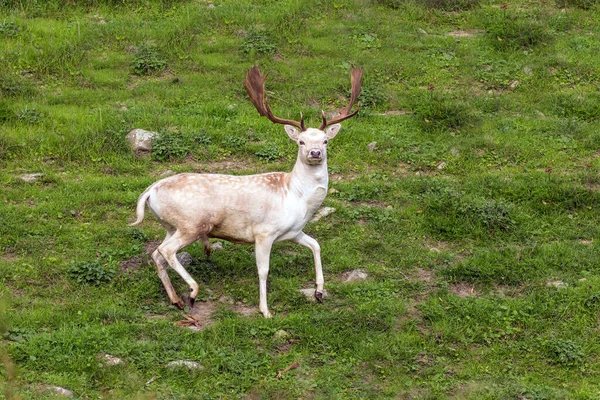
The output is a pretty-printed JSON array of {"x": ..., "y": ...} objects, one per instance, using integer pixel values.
[{"x": 260, "y": 209}]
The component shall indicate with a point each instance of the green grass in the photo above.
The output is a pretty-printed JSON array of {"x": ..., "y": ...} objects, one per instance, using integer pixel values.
[{"x": 476, "y": 215}]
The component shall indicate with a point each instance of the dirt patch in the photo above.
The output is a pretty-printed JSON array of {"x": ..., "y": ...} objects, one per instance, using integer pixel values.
[
  {"x": 397, "y": 112},
  {"x": 344, "y": 177},
  {"x": 226, "y": 166},
  {"x": 463, "y": 289},
  {"x": 464, "y": 34},
  {"x": 150, "y": 246},
  {"x": 203, "y": 310},
  {"x": 424, "y": 275},
  {"x": 133, "y": 264}
]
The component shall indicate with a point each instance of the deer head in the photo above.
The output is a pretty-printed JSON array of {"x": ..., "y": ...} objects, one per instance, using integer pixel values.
[{"x": 312, "y": 143}]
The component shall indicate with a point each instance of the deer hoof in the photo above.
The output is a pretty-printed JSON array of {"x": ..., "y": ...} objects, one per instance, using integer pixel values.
[
  {"x": 319, "y": 296},
  {"x": 179, "y": 304}
]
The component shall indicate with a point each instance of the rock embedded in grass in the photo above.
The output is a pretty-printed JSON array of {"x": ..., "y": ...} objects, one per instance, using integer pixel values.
[
  {"x": 310, "y": 294},
  {"x": 140, "y": 141},
  {"x": 59, "y": 391},
  {"x": 355, "y": 275},
  {"x": 30, "y": 178},
  {"x": 185, "y": 364},
  {"x": 185, "y": 258},
  {"x": 323, "y": 212}
]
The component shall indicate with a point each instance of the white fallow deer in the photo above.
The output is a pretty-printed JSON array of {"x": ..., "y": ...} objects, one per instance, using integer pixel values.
[{"x": 256, "y": 209}]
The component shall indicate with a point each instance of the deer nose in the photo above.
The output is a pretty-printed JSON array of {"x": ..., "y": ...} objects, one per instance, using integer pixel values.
[{"x": 315, "y": 153}]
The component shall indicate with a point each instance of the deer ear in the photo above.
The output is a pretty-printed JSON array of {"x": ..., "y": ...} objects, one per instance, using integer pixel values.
[
  {"x": 333, "y": 130},
  {"x": 292, "y": 132}
]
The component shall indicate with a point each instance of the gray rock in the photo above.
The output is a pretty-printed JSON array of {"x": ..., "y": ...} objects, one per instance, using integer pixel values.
[
  {"x": 29, "y": 178},
  {"x": 185, "y": 258},
  {"x": 110, "y": 360},
  {"x": 372, "y": 146},
  {"x": 310, "y": 294},
  {"x": 557, "y": 284},
  {"x": 323, "y": 212},
  {"x": 356, "y": 275},
  {"x": 216, "y": 246},
  {"x": 281, "y": 334},
  {"x": 141, "y": 141},
  {"x": 185, "y": 364},
  {"x": 59, "y": 391}
]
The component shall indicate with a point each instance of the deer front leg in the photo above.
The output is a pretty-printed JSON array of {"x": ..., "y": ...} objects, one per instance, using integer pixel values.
[
  {"x": 304, "y": 240},
  {"x": 263, "y": 254},
  {"x": 161, "y": 263}
]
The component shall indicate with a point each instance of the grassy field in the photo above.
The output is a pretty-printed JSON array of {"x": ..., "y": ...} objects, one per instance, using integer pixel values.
[{"x": 476, "y": 215}]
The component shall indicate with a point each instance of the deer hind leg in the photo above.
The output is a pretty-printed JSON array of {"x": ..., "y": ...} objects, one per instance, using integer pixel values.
[
  {"x": 263, "y": 253},
  {"x": 304, "y": 240},
  {"x": 161, "y": 265},
  {"x": 168, "y": 250},
  {"x": 206, "y": 243}
]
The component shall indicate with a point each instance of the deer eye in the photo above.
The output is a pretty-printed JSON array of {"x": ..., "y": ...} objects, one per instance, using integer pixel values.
[
  {"x": 325, "y": 141},
  {"x": 301, "y": 142}
]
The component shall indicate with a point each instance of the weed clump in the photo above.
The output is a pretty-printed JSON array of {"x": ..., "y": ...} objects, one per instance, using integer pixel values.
[
  {"x": 170, "y": 145},
  {"x": 269, "y": 152},
  {"x": 437, "y": 112},
  {"x": 583, "y": 4},
  {"x": 508, "y": 31},
  {"x": 93, "y": 272},
  {"x": 443, "y": 5},
  {"x": 11, "y": 86},
  {"x": 9, "y": 29},
  {"x": 148, "y": 60},
  {"x": 454, "y": 214},
  {"x": 564, "y": 352},
  {"x": 258, "y": 41}
]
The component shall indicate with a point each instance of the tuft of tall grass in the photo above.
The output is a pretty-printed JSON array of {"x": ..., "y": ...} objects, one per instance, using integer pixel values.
[{"x": 443, "y": 5}]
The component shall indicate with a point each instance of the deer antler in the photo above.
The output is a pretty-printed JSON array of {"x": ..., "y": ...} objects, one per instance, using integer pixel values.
[
  {"x": 255, "y": 86},
  {"x": 356, "y": 77}
]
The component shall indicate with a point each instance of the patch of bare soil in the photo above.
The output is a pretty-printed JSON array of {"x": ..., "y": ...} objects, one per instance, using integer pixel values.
[
  {"x": 463, "y": 289},
  {"x": 133, "y": 264},
  {"x": 150, "y": 246},
  {"x": 201, "y": 313},
  {"x": 424, "y": 275},
  {"x": 397, "y": 112},
  {"x": 227, "y": 166},
  {"x": 463, "y": 34}
]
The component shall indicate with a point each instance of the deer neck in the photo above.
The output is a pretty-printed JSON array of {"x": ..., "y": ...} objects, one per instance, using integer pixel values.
[{"x": 307, "y": 179}]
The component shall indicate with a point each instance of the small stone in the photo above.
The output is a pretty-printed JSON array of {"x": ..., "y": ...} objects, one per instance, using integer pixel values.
[
  {"x": 123, "y": 108},
  {"x": 216, "y": 246},
  {"x": 111, "y": 360},
  {"x": 185, "y": 258},
  {"x": 372, "y": 146},
  {"x": 514, "y": 84},
  {"x": 166, "y": 173},
  {"x": 527, "y": 70},
  {"x": 333, "y": 191},
  {"x": 323, "y": 212},
  {"x": 310, "y": 294},
  {"x": 29, "y": 178},
  {"x": 356, "y": 275},
  {"x": 141, "y": 140},
  {"x": 423, "y": 31},
  {"x": 59, "y": 391},
  {"x": 226, "y": 299},
  {"x": 281, "y": 334},
  {"x": 185, "y": 364},
  {"x": 557, "y": 284},
  {"x": 442, "y": 165}
]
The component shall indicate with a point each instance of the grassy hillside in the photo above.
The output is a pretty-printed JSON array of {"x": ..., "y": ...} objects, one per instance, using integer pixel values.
[{"x": 475, "y": 215}]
